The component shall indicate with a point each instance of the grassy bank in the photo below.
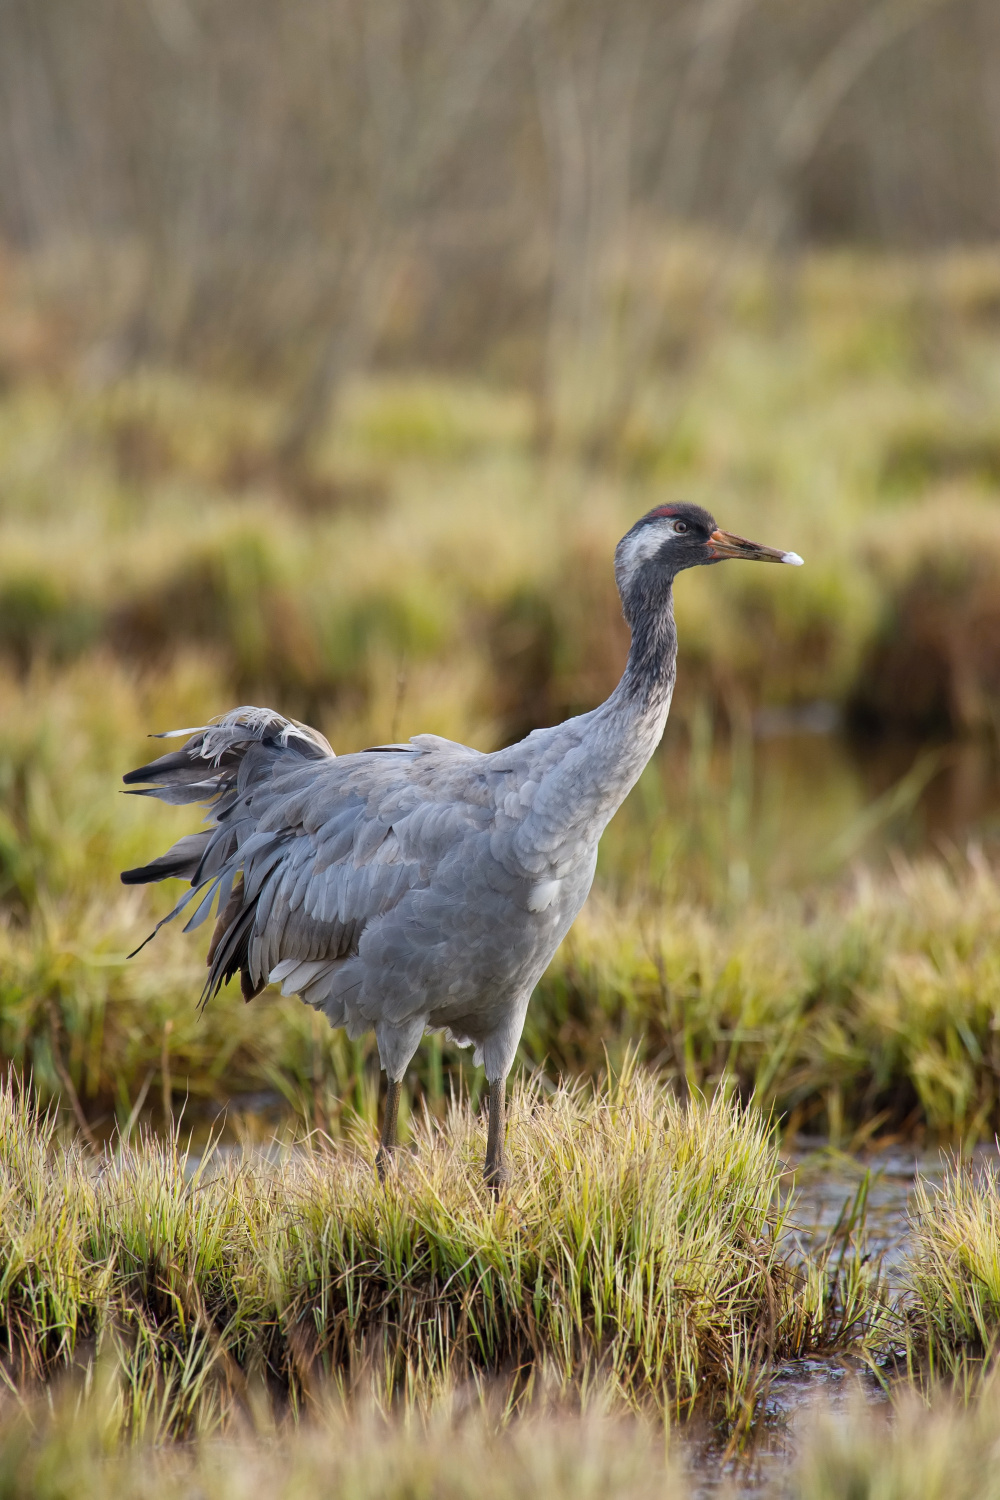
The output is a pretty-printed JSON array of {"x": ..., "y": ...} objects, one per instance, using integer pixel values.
[
  {"x": 636, "y": 1254},
  {"x": 865, "y": 1011},
  {"x": 161, "y": 1295}
]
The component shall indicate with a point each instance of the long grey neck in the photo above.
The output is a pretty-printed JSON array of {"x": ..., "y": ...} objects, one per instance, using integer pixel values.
[
  {"x": 652, "y": 659},
  {"x": 628, "y": 726},
  {"x": 606, "y": 750}
]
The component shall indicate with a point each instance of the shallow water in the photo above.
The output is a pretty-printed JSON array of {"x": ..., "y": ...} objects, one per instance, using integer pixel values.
[
  {"x": 823, "y": 1183},
  {"x": 799, "y": 1387}
]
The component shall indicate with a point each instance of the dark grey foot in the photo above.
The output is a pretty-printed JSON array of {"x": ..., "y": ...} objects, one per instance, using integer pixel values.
[{"x": 387, "y": 1143}]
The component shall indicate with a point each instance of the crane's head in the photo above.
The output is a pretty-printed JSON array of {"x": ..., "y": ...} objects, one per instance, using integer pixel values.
[{"x": 673, "y": 537}]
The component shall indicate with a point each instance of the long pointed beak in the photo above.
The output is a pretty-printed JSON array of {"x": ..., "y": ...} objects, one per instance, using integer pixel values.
[{"x": 725, "y": 544}]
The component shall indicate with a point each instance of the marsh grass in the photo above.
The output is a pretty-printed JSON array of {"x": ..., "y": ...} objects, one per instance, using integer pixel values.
[
  {"x": 149, "y": 516},
  {"x": 456, "y": 1453},
  {"x": 857, "y": 1011},
  {"x": 907, "y": 1450},
  {"x": 953, "y": 1294},
  {"x": 917, "y": 1449},
  {"x": 637, "y": 1255}
]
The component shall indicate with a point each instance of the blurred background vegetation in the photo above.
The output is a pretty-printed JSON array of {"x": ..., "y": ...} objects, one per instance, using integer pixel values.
[{"x": 340, "y": 342}]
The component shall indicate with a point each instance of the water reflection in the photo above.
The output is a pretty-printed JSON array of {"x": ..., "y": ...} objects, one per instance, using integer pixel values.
[
  {"x": 824, "y": 1180},
  {"x": 823, "y": 1183}
]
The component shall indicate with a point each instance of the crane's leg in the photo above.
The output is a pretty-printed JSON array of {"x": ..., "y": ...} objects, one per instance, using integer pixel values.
[
  {"x": 396, "y": 1045},
  {"x": 387, "y": 1141},
  {"x": 495, "y": 1173}
]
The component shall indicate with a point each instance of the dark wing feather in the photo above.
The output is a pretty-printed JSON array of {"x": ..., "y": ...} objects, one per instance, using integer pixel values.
[{"x": 218, "y": 765}]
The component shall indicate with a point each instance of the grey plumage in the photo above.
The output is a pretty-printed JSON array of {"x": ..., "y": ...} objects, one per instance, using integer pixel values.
[{"x": 424, "y": 885}]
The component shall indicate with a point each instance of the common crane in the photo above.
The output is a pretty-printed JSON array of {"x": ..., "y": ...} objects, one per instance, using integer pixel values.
[{"x": 424, "y": 885}]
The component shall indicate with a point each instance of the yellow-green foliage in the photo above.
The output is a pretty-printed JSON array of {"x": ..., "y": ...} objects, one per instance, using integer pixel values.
[
  {"x": 428, "y": 543},
  {"x": 456, "y": 1454},
  {"x": 954, "y": 1279},
  {"x": 912, "y": 1452},
  {"x": 636, "y": 1249},
  {"x": 876, "y": 1004},
  {"x": 904, "y": 1452}
]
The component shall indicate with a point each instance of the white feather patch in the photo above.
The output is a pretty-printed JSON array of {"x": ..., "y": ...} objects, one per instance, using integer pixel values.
[
  {"x": 645, "y": 543},
  {"x": 542, "y": 895}
]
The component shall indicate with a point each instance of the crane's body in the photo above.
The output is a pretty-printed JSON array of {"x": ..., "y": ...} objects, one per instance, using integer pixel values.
[{"x": 424, "y": 885}]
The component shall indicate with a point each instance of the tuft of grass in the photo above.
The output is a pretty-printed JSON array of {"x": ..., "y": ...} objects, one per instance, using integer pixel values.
[
  {"x": 637, "y": 1253},
  {"x": 930, "y": 666},
  {"x": 953, "y": 1292},
  {"x": 906, "y": 1450},
  {"x": 911, "y": 1451},
  {"x": 868, "y": 1009},
  {"x": 454, "y": 1453}
]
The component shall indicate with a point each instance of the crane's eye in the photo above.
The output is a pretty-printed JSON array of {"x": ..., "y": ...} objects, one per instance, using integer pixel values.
[{"x": 680, "y": 526}]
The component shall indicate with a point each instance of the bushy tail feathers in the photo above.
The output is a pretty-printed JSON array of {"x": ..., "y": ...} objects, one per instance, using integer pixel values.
[{"x": 218, "y": 765}]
